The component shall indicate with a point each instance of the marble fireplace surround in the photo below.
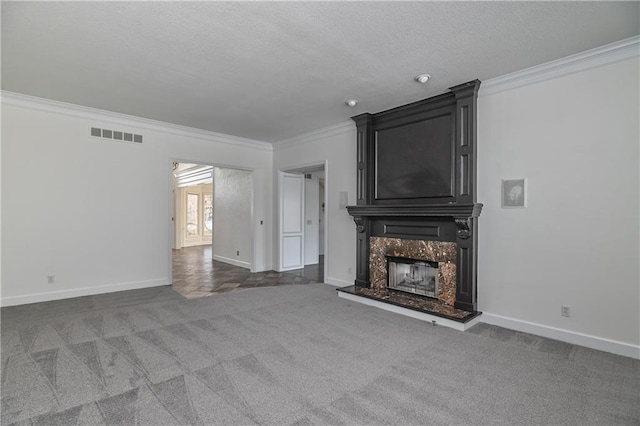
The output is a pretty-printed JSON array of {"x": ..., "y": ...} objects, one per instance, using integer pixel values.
[{"x": 444, "y": 253}]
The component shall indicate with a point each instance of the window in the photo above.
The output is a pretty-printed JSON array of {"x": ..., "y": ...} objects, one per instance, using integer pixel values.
[
  {"x": 208, "y": 214},
  {"x": 193, "y": 211}
]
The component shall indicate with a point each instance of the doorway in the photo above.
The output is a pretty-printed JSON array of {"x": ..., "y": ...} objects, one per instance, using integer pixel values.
[
  {"x": 302, "y": 220},
  {"x": 192, "y": 205},
  {"x": 211, "y": 220}
]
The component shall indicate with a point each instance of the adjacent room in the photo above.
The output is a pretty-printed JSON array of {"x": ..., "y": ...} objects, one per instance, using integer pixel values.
[{"x": 320, "y": 213}]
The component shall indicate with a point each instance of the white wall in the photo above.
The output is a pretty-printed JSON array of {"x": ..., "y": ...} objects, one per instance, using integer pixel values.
[
  {"x": 99, "y": 219},
  {"x": 312, "y": 219},
  {"x": 336, "y": 146},
  {"x": 232, "y": 230},
  {"x": 575, "y": 139}
]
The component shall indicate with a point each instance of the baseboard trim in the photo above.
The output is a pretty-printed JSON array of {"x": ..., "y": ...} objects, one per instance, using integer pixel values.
[
  {"x": 230, "y": 261},
  {"x": 337, "y": 283},
  {"x": 79, "y": 292},
  {"x": 422, "y": 316},
  {"x": 589, "y": 341}
]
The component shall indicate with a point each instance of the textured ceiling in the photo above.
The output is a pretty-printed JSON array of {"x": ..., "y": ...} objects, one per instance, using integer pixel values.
[{"x": 272, "y": 70}]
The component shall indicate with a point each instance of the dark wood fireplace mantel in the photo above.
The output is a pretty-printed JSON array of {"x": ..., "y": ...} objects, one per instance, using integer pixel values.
[
  {"x": 416, "y": 180},
  {"x": 462, "y": 214},
  {"x": 418, "y": 210}
]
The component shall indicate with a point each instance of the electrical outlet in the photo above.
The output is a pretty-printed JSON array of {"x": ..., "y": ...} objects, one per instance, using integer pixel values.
[
  {"x": 349, "y": 270},
  {"x": 238, "y": 253},
  {"x": 565, "y": 311},
  {"x": 51, "y": 279}
]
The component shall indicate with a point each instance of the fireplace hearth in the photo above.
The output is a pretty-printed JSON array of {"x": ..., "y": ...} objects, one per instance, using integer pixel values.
[{"x": 416, "y": 214}]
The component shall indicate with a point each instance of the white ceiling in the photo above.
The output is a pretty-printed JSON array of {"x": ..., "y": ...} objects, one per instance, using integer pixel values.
[{"x": 272, "y": 70}]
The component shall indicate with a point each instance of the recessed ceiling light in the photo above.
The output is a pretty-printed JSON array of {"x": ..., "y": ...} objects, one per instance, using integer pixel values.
[
  {"x": 422, "y": 78},
  {"x": 352, "y": 102}
]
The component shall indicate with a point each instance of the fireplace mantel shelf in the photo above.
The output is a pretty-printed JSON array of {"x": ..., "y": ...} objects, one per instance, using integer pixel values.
[{"x": 417, "y": 210}]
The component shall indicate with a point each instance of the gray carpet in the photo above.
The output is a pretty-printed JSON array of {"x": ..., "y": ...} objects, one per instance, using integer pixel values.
[{"x": 291, "y": 355}]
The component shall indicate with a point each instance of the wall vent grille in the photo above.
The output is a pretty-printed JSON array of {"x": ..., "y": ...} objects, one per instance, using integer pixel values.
[{"x": 115, "y": 135}]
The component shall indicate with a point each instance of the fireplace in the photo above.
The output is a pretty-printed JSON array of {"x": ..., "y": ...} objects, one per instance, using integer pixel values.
[
  {"x": 439, "y": 253},
  {"x": 416, "y": 214},
  {"x": 413, "y": 276}
]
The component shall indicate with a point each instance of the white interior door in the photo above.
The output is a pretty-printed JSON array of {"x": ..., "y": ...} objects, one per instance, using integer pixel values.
[
  {"x": 291, "y": 221},
  {"x": 312, "y": 219}
]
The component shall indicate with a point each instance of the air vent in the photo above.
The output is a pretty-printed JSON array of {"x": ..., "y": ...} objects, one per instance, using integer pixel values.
[
  {"x": 308, "y": 176},
  {"x": 116, "y": 135}
]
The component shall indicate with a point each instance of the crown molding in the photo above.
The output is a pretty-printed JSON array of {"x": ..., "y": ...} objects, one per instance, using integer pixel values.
[
  {"x": 304, "y": 138},
  {"x": 607, "y": 54},
  {"x": 95, "y": 114},
  {"x": 610, "y": 53}
]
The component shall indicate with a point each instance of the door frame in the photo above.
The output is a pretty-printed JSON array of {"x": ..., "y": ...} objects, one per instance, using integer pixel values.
[
  {"x": 300, "y": 168},
  {"x": 300, "y": 229}
]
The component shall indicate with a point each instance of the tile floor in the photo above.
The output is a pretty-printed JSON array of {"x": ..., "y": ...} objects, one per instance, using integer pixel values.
[{"x": 196, "y": 275}]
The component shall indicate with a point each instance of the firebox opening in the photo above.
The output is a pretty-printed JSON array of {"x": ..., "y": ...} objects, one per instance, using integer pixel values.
[{"x": 413, "y": 276}]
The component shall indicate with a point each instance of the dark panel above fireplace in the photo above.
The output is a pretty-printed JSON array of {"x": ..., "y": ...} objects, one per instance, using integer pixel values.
[
  {"x": 415, "y": 160},
  {"x": 420, "y": 153}
]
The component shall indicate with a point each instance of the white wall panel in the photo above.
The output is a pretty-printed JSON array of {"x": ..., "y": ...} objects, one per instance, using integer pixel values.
[
  {"x": 292, "y": 188},
  {"x": 336, "y": 148},
  {"x": 576, "y": 140},
  {"x": 232, "y": 230},
  {"x": 291, "y": 251},
  {"x": 100, "y": 218}
]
